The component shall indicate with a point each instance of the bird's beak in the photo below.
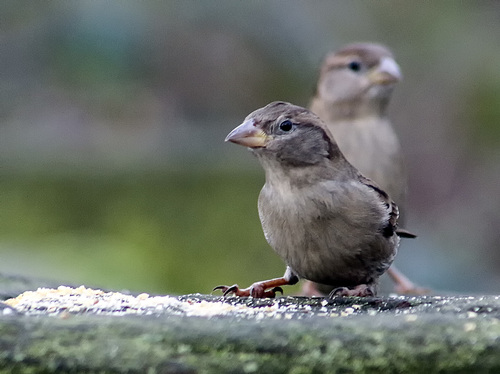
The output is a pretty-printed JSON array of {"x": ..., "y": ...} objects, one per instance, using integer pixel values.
[
  {"x": 387, "y": 72},
  {"x": 248, "y": 134}
]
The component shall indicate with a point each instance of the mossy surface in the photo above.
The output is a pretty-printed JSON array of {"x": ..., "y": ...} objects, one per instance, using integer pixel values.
[{"x": 376, "y": 335}]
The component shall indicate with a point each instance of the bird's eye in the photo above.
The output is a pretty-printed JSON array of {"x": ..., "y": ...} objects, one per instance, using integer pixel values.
[
  {"x": 354, "y": 66},
  {"x": 286, "y": 125}
]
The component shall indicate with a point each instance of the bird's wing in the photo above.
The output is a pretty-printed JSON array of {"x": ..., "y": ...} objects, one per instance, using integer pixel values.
[{"x": 392, "y": 208}]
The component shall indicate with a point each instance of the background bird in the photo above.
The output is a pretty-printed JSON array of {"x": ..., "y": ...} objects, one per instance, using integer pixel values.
[
  {"x": 353, "y": 90},
  {"x": 328, "y": 223}
]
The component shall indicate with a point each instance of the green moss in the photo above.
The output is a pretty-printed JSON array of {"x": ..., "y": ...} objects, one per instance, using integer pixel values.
[{"x": 437, "y": 336}]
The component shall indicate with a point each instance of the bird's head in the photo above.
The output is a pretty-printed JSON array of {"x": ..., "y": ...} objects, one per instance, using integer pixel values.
[
  {"x": 358, "y": 73},
  {"x": 287, "y": 133}
]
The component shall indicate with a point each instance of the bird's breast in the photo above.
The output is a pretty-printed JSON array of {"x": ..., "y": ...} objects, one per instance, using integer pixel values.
[{"x": 320, "y": 241}]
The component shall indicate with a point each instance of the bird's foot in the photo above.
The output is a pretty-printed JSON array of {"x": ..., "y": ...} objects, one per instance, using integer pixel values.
[
  {"x": 405, "y": 286},
  {"x": 309, "y": 289},
  {"x": 257, "y": 290},
  {"x": 411, "y": 289},
  {"x": 362, "y": 290}
]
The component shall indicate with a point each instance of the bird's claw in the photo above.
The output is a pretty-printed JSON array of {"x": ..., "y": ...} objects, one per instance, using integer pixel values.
[
  {"x": 226, "y": 290},
  {"x": 362, "y": 290},
  {"x": 255, "y": 290},
  {"x": 276, "y": 289}
]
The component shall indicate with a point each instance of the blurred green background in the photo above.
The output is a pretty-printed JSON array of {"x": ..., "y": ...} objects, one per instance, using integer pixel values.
[{"x": 113, "y": 168}]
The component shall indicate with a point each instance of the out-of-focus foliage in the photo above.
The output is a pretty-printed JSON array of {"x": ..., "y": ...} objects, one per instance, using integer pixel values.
[
  {"x": 113, "y": 169},
  {"x": 137, "y": 230}
]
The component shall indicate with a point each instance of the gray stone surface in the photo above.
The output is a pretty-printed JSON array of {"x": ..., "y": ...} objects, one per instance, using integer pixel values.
[
  {"x": 82, "y": 330},
  {"x": 12, "y": 285}
]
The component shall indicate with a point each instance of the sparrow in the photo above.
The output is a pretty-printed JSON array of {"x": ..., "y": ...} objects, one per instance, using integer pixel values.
[
  {"x": 352, "y": 94},
  {"x": 327, "y": 222}
]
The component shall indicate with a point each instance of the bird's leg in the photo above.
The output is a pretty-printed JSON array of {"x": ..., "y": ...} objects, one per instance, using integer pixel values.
[
  {"x": 262, "y": 289},
  {"x": 403, "y": 284},
  {"x": 362, "y": 290},
  {"x": 309, "y": 289}
]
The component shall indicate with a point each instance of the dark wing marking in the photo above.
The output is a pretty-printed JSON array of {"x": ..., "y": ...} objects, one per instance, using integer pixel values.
[
  {"x": 402, "y": 233},
  {"x": 391, "y": 227}
]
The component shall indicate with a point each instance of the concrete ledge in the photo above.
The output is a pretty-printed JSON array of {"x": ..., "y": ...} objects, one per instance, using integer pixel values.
[{"x": 112, "y": 332}]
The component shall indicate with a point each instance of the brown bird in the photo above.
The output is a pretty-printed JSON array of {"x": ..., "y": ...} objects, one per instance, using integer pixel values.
[
  {"x": 353, "y": 91},
  {"x": 328, "y": 223}
]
